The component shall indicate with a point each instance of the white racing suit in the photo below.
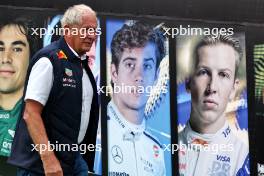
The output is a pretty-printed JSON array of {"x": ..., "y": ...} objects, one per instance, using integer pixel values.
[
  {"x": 220, "y": 154},
  {"x": 131, "y": 150}
]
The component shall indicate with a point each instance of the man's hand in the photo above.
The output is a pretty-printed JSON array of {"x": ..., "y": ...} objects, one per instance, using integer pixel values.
[
  {"x": 37, "y": 131},
  {"x": 51, "y": 165}
]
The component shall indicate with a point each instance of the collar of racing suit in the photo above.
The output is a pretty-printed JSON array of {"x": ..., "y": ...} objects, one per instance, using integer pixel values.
[
  {"x": 222, "y": 136},
  {"x": 130, "y": 131}
]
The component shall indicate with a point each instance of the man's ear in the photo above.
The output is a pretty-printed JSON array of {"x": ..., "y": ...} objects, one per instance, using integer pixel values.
[
  {"x": 113, "y": 71},
  {"x": 234, "y": 90},
  {"x": 188, "y": 85}
]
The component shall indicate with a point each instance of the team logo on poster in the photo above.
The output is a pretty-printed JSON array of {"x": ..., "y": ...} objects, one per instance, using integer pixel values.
[
  {"x": 220, "y": 168},
  {"x": 117, "y": 154},
  {"x": 156, "y": 150}
]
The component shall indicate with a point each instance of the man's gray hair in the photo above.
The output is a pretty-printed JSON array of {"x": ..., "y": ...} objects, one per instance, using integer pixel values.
[{"x": 73, "y": 15}]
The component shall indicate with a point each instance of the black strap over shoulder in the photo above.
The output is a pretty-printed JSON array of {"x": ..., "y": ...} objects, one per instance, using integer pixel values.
[{"x": 91, "y": 134}]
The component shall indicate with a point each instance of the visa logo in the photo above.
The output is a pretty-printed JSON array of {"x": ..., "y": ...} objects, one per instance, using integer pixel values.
[{"x": 223, "y": 158}]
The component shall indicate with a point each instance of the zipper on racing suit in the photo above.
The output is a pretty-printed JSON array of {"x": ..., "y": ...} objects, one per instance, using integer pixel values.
[
  {"x": 135, "y": 152},
  {"x": 195, "y": 155},
  {"x": 196, "y": 162}
]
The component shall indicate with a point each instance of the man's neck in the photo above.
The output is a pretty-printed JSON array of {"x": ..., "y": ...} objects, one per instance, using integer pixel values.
[
  {"x": 71, "y": 46},
  {"x": 8, "y": 101},
  {"x": 202, "y": 127},
  {"x": 133, "y": 116}
]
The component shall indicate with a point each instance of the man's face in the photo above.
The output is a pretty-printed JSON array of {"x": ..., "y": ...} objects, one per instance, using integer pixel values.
[
  {"x": 137, "y": 68},
  {"x": 213, "y": 82},
  {"x": 14, "y": 59},
  {"x": 91, "y": 55},
  {"x": 86, "y": 34}
]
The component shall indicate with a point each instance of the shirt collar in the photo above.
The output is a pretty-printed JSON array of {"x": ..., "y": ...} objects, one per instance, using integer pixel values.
[
  {"x": 83, "y": 57},
  {"x": 221, "y": 136},
  {"x": 116, "y": 116}
]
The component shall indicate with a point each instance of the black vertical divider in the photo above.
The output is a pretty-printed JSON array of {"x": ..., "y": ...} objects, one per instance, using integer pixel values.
[
  {"x": 173, "y": 103},
  {"x": 251, "y": 110},
  {"x": 103, "y": 96},
  {"x": 253, "y": 121}
]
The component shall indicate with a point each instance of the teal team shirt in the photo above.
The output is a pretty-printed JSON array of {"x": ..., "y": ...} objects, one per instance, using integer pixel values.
[{"x": 8, "y": 121}]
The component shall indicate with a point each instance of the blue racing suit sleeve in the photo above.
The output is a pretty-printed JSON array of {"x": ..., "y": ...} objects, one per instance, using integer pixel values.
[{"x": 245, "y": 169}]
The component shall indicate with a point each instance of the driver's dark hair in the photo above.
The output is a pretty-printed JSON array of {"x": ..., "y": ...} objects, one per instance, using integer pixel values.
[
  {"x": 26, "y": 27},
  {"x": 137, "y": 35}
]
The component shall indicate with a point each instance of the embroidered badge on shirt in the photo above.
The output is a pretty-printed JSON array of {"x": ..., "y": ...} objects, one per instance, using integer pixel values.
[
  {"x": 68, "y": 72},
  {"x": 61, "y": 55}
]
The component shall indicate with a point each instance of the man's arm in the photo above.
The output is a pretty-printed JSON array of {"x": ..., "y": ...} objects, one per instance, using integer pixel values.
[
  {"x": 37, "y": 93},
  {"x": 32, "y": 117}
]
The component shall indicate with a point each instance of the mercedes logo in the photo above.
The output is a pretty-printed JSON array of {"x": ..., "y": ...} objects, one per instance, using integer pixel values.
[{"x": 117, "y": 154}]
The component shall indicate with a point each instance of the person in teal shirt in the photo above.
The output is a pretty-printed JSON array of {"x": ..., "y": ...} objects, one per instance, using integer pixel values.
[{"x": 17, "y": 44}]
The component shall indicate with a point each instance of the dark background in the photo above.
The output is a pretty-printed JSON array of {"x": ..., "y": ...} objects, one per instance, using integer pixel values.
[{"x": 225, "y": 10}]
